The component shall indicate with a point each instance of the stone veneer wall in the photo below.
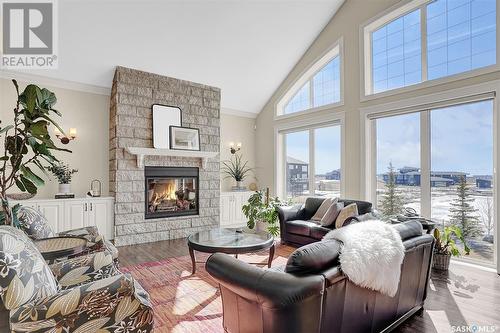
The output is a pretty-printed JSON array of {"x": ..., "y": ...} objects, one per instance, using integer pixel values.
[{"x": 131, "y": 124}]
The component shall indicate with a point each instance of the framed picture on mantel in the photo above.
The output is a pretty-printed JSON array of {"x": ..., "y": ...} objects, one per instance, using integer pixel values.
[{"x": 184, "y": 138}]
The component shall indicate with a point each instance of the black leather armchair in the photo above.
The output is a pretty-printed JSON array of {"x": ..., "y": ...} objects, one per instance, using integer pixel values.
[
  {"x": 313, "y": 295},
  {"x": 296, "y": 227}
]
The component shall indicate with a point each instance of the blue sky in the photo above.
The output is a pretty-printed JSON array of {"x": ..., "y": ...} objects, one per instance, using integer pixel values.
[
  {"x": 461, "y": 139},
  {"x": 327, "y": 147}
]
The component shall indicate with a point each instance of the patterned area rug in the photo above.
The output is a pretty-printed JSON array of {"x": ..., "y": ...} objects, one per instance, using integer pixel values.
[{"x": 189, "y": 303}]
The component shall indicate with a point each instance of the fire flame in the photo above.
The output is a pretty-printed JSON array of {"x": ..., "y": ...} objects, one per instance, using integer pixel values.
[{"x": 169, "y": 192}]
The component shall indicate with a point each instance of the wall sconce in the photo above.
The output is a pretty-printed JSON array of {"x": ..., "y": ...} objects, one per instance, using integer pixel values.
[
  {"x": 65, "y": 139},
  {"x": 234, "y": 148}
]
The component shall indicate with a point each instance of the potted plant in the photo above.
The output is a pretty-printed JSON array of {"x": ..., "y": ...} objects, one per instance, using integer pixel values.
[
  {"x": 236, "y": 169},
  {"x": 27, "y": 145},
  {"x": 63, "y": 173},
  {"x": 261, "y": 212},
  {"x": 446, "y": 247}
]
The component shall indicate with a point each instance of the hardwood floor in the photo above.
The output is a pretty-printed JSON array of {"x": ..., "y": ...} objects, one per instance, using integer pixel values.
[{"x": 457, "y": 300}]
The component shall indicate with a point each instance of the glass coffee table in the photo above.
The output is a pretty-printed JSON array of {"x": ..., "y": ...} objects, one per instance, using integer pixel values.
[{"x": 230, "y": 241}]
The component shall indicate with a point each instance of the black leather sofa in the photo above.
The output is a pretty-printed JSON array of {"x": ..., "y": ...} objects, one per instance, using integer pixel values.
[
  {"x": 296, "y": 227},
  {"x": 320, "y": 298}
]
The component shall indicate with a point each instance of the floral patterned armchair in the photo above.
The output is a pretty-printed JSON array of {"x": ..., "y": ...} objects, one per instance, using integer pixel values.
[
  {"x": 35, "y": 225},
  {"x": 82, "y": 294}
]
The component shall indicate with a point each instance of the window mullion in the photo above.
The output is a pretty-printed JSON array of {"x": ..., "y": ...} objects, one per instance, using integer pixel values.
[
  {"x": 423, "y": 41},
  {"x": 311, "y": 94},
  {"x": 312, "y": 189},
  {"x": 425, "y": 164}
]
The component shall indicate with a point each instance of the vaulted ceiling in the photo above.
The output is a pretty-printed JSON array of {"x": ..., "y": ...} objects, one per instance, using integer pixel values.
[{"x": 245, "y": 47}]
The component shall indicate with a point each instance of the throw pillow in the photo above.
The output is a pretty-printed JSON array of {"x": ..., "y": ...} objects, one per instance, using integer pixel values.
[
  {"x": 345, "y": 213},
  {"x": 34, "y": 224},
  {"x": 24, "y": 275},
  {"x": 331, "y": 214},
  {"x": 323, "y": 208}
]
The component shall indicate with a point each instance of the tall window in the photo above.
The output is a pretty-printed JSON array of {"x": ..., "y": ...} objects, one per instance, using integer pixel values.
[
  {"x": 297, "y": 163},
  {"x": 457, "y": 143},
  {"x": 398, "y": 156},
  {"x": 460, "y": 36},
  {"x": 319, "y": 86},
  {"x": 462, "y": 152},
  {"x": 325, "y": 87},
  {"x": 396, "y": 53},
  {"x": 312, "y": 162}
]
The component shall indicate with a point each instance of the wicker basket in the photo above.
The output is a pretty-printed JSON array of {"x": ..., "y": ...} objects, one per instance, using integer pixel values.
[{"x": 441, "y": 261}]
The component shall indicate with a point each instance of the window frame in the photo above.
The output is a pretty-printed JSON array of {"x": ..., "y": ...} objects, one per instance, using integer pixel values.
[
  {"x": 424, "y": 104},
  {"x": 391, "y": 14},
  {"x": 280, "y": 130},
  {"x": 336, "y": 49}
]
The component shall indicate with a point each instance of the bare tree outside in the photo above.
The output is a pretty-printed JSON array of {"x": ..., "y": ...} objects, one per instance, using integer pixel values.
[{"x": 486, "y": 214}]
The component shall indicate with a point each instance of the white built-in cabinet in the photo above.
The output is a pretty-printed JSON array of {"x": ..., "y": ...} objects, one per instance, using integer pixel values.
[
  {"x": 67, "y": 214},
  {"x": 231, "y": 204}
]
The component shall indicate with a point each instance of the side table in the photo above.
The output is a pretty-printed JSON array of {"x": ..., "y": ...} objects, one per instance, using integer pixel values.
[{"x": 58, "y": 247}]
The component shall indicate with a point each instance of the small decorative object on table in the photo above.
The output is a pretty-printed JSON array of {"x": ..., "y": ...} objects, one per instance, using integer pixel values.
[
  {"x": 445, "y": 247},
  {"x": 261, "y": 209},
  {"x": 95, "y": 188},
  {"x": 63, "y": 174},
  {"x": 236, "y": 169},
  {"x": 184, "y": 138},
  {"x": 410, "y": 214}
]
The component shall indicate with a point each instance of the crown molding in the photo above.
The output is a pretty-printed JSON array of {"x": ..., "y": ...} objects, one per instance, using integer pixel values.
[
  {"x": 238, "y": 113},
  {"x": 53, "y": 82}
]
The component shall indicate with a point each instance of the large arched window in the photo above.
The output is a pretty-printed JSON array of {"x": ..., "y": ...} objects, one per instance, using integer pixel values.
[{"x": 319, "y": 86}]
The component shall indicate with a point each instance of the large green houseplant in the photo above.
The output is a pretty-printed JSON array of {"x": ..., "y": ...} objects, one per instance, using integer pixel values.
[
  {"x": 263, "y": 208},
  {"x": 446, "y": 247},
  {"x": 27, "y": 145}
]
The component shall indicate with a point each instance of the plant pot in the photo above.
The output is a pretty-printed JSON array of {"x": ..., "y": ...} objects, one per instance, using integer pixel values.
[
  {"x": 441, "y": 261},
  {"x": 64, "y": 188},
  {"x": 260, "y": 226}
]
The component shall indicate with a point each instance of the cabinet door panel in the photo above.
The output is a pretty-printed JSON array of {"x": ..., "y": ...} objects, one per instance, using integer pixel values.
[
  {"x": 100, "y": 213},
  {"x": 75, "y": 214},
  {"x": 225, "y": 209},
  {"x": 54, "y": 213}
]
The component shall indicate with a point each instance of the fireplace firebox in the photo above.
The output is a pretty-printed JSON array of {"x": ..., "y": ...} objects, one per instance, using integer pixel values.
[{"x": 171, "y": 191}]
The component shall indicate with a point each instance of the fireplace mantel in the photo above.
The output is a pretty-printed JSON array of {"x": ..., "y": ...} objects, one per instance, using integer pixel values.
[{"x": 141, "y": 152}]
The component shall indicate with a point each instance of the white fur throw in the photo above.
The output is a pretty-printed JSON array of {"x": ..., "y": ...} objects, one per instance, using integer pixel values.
[{"x": 371, "y": 255}]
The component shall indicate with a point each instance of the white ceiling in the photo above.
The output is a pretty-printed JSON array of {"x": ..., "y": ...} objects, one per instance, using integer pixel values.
[{"x": 244, "y": 47}]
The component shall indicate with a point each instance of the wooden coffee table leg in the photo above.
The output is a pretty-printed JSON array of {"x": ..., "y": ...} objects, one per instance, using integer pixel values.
[
  {"x": 193, "y": 260},
  {"x": 271, "y": 256}
]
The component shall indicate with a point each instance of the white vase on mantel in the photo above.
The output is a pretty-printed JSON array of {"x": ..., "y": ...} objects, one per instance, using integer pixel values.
[{"x": 65, "y": 188}]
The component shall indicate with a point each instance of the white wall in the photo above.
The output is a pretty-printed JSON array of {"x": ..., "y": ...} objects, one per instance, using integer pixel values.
[
  {"x": 346, "y": 23},
  {"x": 89, "y": 114},
  {"x": 237, "y": 129}
]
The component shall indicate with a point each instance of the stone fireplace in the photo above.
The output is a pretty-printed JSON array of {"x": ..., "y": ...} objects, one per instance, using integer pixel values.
[
  {"x": 170, "y": 191},
  {"x": 157, "y": 206}
]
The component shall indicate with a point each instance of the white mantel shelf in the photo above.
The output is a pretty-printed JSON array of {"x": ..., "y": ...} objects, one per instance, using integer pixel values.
[{"x": 141, "y": 152}]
